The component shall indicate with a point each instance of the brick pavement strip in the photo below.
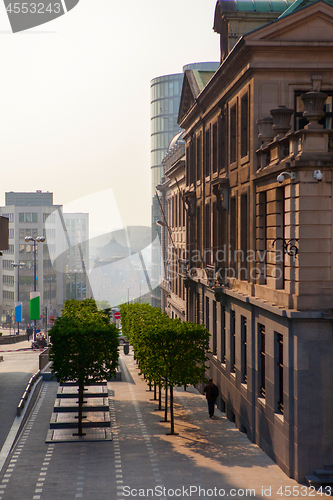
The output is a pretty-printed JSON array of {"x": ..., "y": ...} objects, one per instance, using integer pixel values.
[{"x": 141, "y": 460}]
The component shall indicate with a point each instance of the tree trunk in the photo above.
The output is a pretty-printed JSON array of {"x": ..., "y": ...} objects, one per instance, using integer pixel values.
[
  {"x": 172, "y": 431},
  {"x": 166, "y": 402},
  {"x": 81, "y": 389},
  {"x": 155, "y": 392},
  {"x": 160, "y": 397}
]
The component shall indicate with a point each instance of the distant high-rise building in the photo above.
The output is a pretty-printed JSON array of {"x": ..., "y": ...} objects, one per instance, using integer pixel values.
[
  {"x": 77, "y": 255},
  {"x": 60, "y": 259},
  {"x": 27, "y": 214}
]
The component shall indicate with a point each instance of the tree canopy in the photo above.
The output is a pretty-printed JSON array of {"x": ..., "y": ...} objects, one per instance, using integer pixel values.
[
  {"x": 84, "y": 346},
  {"x": 170, "y": 352}
]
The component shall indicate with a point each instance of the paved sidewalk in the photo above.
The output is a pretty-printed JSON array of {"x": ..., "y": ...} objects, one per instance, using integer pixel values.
[{"x": 209, "y": 459}]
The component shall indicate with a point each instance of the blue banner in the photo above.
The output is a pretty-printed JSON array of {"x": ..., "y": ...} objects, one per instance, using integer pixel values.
[{"x": 18, "y": 312}]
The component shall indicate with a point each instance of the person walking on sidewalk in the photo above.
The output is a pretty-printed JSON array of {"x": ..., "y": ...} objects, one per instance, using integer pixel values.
[{"x": 212, "y": 391}]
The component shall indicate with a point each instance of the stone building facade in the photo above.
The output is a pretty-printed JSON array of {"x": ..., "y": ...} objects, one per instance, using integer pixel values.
[
  {"x": 258, "y": 202},
  {"x": 173, "y": 234}
]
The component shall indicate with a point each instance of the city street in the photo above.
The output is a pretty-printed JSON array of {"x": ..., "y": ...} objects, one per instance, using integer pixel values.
[
  {"x": 19, "y": 363},
  {"x": 209, "y": 458}
]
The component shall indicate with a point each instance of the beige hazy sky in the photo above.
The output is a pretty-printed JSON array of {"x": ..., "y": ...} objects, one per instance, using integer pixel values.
[{"x": 75, "y": 96}]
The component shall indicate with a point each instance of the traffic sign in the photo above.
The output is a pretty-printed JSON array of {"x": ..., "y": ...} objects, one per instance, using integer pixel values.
[{"x": 116, "y": 315}]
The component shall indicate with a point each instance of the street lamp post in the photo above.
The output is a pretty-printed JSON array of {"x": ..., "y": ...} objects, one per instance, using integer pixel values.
[
  {"x": 48, "y": 308},
  {"x": 20, "y": 265},
  {"x": 39, "y": 239}
]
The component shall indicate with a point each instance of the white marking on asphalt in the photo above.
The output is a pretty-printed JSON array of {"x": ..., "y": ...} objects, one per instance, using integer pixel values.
[{"x": 145, "y": 436}]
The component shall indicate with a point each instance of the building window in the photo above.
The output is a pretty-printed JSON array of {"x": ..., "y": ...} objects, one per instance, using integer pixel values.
[
  {"x": 28, "y": 217},
  {"x": 262, "y": 360},
  {"x": 7, "y": 264},
  {"x": 11, "y": 233},
  {"x": 207, "y": 153},
  {"x": 262, "y": 237},
  {"x": 215, "y": 145},
  {"x": 207, "y": 233},
  {"x": 222, "y": 334},
  {"x": 197, "y": 308},
  {"x": 10, "y": 249},
  {"x": 214, "y": 328},
  {"x": 26, "y": 280},
  {"x": 244, "y": 237},
  {"x": 9, "y": 216},
  {"x": 233, "y": 134},
  {"x": 192, "y": 161},
  {"x": 29, "y": 264},
  {"x": 244, "y": 126},
  {"x": 233, "y": 235},
  {"x": 279, "y": 273},
  {"x": 49, "y": 233},
  {"x": 199, "y": 158},
  {"x": 50, "y": 218},
  {"x": 8, "y": 295},
  {"x": 27, "y": 248},
  {"x": 8, "y": 280},
  {"x": 198, "y": 230},
  {"x": 188, "y": 176},
  {"x": 326, "y": 120},
  {"x": 244, "y": 349},
  {"x": 207, "y": 313},
  {"x": 232, "y": 342},
  {"x": 279, "y": 341}
]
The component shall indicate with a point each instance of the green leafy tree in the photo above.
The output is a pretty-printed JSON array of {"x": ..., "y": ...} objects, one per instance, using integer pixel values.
[
  {"x": 84, "y": 346},
  {"x": 182, "y": 351},
  {"x": 169, "y": 352}
]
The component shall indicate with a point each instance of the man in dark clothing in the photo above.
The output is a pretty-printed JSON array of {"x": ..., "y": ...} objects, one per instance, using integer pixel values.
[
  {"x": 212, "y": 392},
  {"x": 29, "y": 332}
]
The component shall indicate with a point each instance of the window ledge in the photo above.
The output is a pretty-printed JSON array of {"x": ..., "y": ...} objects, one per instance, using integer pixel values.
[
  {"x": 233, "y": 375},
  {"x": 224, "y": 365},
  {"x": 279, "y": 416},
  {"x": 262, "y": 401},
  {"x": 245, "y": 159},
  {"x": 244, "y": 386}
]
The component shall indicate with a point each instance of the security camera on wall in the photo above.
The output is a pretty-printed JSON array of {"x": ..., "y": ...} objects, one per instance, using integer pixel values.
[
  {"x": 282, "y": 177},
  {"x": 317, "y": 174}
]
